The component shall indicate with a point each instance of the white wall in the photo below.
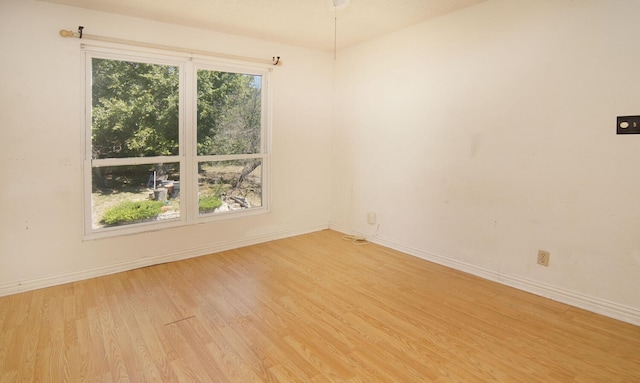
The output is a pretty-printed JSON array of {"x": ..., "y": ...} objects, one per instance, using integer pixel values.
[
  {"x": 41, "y": 108},
  {"x": 477, "y": 138},
  {"x": 480, "y": 137}
]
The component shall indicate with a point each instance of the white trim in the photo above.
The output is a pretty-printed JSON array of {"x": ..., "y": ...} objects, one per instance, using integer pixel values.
[
  {"x": 187, "y": 156},
  {"x": 58, "y": 279},
  {"x": 188, "y": 143},
  {"x": 210, "y": 217},
  {"x": 103, "y": 162},
  {"x": 593, "y": 304},
  {"x": 596, "y": 305},
  {"x": 228, "y": 157}
]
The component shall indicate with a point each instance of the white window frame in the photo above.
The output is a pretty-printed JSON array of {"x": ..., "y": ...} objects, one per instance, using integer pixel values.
[{"x": 187, "y": 157}]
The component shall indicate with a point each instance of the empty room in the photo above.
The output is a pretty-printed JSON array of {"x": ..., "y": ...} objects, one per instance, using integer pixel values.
[{"x": 319, "y": 191}]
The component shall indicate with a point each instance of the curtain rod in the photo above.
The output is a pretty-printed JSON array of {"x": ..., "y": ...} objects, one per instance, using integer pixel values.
[{"x": 81, "y": 35}]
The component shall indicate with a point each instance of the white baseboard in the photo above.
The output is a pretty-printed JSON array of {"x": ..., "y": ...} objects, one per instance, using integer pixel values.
[
  {"x": 595, "y": 305},
  {"x": 59, "y": 279}
]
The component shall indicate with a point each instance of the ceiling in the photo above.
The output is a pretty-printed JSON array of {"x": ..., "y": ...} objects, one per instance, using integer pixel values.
[{"x": 306, "y": 23}]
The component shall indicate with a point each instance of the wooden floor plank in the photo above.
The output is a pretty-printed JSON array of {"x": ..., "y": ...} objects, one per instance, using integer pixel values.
[{"x": 312, "y": 308}]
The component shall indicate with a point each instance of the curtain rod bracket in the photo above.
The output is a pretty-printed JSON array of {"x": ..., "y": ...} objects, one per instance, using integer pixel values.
[
  {"x": 80, "y": 28},
  {"x": 276, "y": 60}
]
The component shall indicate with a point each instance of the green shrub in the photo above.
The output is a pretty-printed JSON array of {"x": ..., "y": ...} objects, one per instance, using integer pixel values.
[
  {"x": 208, "y": 203},
  {"x": 132, "y": 211}
]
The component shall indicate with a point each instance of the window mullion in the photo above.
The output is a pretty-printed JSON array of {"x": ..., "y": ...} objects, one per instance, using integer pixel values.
[
  {"x": 101, "y": 162},
  {"x": 229, "y": 157},
  {"x": 188, "y": 143}
]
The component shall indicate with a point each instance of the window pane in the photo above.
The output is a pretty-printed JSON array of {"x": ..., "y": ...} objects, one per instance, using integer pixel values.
[
  {"x": 134, "y": 109},
  {"x": 229, "y": 113},
  {"x": 229, "y": 185},
  {"x": 124, "y": 195}
]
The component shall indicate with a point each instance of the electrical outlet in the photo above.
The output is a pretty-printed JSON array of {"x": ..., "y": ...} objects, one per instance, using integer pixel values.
[{"x": 543, "y": 257}]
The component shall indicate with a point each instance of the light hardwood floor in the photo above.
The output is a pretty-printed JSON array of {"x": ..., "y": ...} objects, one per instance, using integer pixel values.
[{"x": 312, "y": 308}]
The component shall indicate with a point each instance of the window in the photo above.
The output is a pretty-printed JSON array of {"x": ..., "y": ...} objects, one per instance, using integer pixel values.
[{"x": 172, "y": 141}]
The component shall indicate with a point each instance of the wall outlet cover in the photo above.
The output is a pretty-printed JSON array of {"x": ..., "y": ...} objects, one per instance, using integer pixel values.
[{"x": 628, "y": 125}]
